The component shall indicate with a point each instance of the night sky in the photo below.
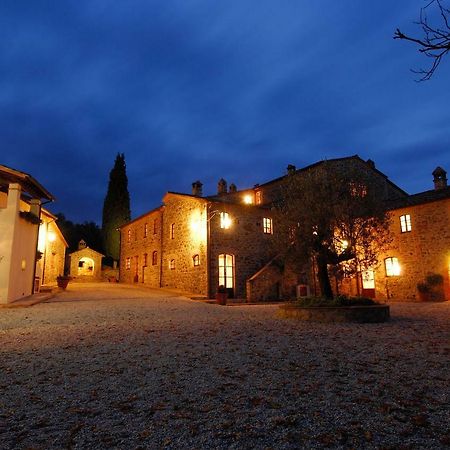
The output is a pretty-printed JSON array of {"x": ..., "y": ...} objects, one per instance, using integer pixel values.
[{"x": 204, "y": 89}]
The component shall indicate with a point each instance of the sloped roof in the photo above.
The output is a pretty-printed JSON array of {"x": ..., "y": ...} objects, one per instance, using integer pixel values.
[
  {"x": 27, "y": 182},
  {"x": 432, "y": 195}
]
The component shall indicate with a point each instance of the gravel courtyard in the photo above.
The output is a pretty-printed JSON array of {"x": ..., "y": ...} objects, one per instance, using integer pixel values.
[{"x": 106, "y": 366}]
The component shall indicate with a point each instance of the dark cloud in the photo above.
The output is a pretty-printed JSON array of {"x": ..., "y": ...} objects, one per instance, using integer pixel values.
[{"x": 201, "y": 90}]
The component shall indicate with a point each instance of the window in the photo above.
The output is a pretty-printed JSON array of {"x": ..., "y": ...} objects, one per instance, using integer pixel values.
[
  {"x": 172, "y": 231},
  {"x": 405, "y": 223},
  {"x": 358, "y": 189},
  {"x": 196, "y": 260},
  {"x": 392, "y": 267},
  {"x": 248, "y": 199},
  {"x": 145, "y": 230},
  {"x": 128, "y": 263},
  {"x": 155, "y": 226},
  {"x": 225, "y": 221},
  {"x": 172, "y": 264},
  {"x": 145, "y": 260},
  {"x": 135, "y": 235},
  {"x": 154, "y": 258},
  {"x": 267, "y": 225},
  {"x": 129, "y": 236},
  {"x": 226, "y": 270},
  {"x": 258, "y": 197}
]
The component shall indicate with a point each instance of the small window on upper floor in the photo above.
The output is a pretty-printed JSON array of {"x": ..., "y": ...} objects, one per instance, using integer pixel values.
[
  {"x": 129, "y": 236},
  {"x": 267, "y": 225},
  {"x": 154, "y": 258},
  {"x": 145, "y": 230},
  {"x": 172, "y": 264},
  {"x": 405, "y": 223},
  {"x": 258, "y": 197},
  {"x": 392, "y": 267},
  {"x": 145, "y": 260},
  {"x": 172, "y": 231},
  {"x": 135, "y": 235},
  {"x": 196, "y": 260},
  {"x": 128, "y": 263},
  {"x": 225, "y": 221},
  {"x": 155, "y": 226}
]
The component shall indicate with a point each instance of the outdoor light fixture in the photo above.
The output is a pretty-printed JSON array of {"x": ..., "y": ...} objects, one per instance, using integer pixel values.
[
  {"x": 51, "y": 237},
  {"x": 248, "y": 199}
]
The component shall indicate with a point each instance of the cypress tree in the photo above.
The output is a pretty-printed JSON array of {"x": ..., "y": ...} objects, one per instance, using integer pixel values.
[{"x": 116, "y": 207}]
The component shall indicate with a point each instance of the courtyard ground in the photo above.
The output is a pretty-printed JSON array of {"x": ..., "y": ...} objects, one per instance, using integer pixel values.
[{"x": 110, "y": 366}]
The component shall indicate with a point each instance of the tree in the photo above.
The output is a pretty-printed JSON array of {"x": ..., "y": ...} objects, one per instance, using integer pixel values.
[
  {"x": 75, "y": 232},
  {"x": 116, "y": 207},
  {"x": 435, "y": 39},
  {"x": 333, "y": 217}
]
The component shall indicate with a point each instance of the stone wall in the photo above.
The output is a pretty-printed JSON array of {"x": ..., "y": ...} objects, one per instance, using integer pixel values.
[
  {"x": 184, "y": 237},
  {"x": 422, "y": 251},
  {"x": 245, "y": 239},
  {"x": 139, "y": 240},
  {"x": 75, "y": 258}
]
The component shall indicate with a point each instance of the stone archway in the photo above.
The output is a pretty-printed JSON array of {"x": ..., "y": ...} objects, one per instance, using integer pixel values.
[{"x": 86, "y": 266}]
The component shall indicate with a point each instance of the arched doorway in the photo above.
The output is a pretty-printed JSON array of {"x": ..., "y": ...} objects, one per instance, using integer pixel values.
[{"x": 86, "y": 266}]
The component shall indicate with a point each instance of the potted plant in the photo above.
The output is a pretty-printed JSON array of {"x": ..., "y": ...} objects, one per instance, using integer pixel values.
[
  {"x": 424, "y": 292},
  {"x": 432, "y": 289},
  {"x": 63, "y": 281},
  {"x": 221, "y": 295}
]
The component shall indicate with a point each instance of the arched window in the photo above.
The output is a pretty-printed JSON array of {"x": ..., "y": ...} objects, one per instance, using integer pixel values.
[
  {"x": 196, "y": 260},
  {"x": 226, "y": 270},
  {"x": 154, "y": 258}
]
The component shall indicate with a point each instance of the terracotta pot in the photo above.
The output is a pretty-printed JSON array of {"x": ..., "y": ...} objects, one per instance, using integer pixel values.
[
  {"x": 221, "y": 298},
  {"x": 62, "y": 282}
]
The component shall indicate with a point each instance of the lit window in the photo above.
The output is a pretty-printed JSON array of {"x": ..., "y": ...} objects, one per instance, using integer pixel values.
[
  {"x": 145, "y": 260},
  {"x": 392, "y": 267},
  {"x": 225, "y": 221},
  {"x": 172, "y": 231},
  {"x": 405, "y": 223},
  {"x": 154, "y": 258},
  {"x": 226, "y": 270},
  {"x": 172, "y": 264},
  {"x": 248, "y": 199},
  {"x": 145, "y": 230},
  {"x": 155, "y": 226},
  {"x": 196, "y": 260},
  {"x": 129, "y": 236},
  {"x": 267, "y": 225},
  {"x": 128, "y": 263},
  {"x": 358, "y": 189},
  {"x": 258, "y": 197}
]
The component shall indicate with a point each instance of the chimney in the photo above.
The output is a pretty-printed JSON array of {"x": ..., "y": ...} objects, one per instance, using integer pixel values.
[
  {"x": 440, "y": 178},
  {"x": 233, "y": 188},
  {"x": 222, "y": 187},
  {"x": 197, "y": 188},
  {"x": 370, "y": 163},
  {"x": 291, "y": 169}
]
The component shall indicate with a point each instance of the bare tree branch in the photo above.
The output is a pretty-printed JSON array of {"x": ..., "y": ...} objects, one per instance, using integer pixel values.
[{"x": 435, "y": 41}]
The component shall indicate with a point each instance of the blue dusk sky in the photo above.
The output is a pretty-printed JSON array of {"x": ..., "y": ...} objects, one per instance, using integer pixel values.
[{"x": 204, "y": 89}]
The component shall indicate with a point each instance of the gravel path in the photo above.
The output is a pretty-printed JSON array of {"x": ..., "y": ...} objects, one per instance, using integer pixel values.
[{"x": 107, "y": 366}]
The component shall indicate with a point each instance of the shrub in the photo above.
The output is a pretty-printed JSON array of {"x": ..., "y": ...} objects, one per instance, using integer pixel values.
[{"x": 340, "y": 300}]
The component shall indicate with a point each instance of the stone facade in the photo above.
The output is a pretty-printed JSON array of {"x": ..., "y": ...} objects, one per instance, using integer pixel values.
[
  {"x": 422, "y": 251},
  {"x": 86, "y": 265},
  {"x": 196, "y": 253},
  {"x": 140, "y": 247}
]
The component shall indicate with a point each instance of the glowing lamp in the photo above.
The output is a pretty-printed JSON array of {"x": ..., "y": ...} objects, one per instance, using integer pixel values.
[
  {"x": 248, "y": 199},
  {"x": 51, "y": 237}
]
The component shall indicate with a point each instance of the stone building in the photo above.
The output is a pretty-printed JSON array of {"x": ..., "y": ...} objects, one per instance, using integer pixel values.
[
  {"x": 52, "y": 250},
  {"x": 85, "y": 263},
  {"x": 196, "y": 243}
]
